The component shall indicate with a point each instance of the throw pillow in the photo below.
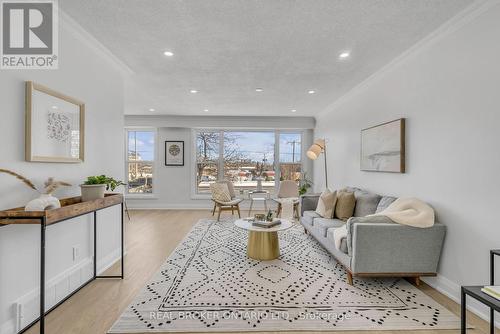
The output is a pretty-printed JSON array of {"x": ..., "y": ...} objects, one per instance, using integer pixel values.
[
  {"x": 220, "y": 192},
  {"x": 326, "y": 204},
  {"x": 345, "y": 205}
]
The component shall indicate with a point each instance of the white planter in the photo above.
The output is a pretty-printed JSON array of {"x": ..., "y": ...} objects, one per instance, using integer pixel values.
[
  {"x": 92, "y": 192},
  {"x": 44, "y": 202}
]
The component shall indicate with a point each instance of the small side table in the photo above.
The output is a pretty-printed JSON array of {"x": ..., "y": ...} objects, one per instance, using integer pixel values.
[
  {"x": 259, "y": 196},
  {"x": 476, "y": 293}
]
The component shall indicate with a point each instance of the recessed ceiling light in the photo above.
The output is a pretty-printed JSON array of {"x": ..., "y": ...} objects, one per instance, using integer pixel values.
[
  {"x": 344, "y": 55},
  {"x": 259, "y": 89},
  {"x": 193, "y": 91},
  {"x": 54, "y": 107},
  {"x": 168, "y": 53},
  {"x": 151, "y": 109},
  {"x": 311, "y": 91},
  {"x": 293, "y": 110},
  {"x": 205, "y": 110}
]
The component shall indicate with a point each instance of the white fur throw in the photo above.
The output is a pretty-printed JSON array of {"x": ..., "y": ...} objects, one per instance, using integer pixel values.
[
  {"x": 409, "y": 211},
  {"x": 338, "y": 234}
]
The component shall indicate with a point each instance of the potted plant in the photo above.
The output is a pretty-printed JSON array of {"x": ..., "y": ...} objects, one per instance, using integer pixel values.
[
  {"x": 93, "y": 188},
  {"x": 304, "y": 184}
]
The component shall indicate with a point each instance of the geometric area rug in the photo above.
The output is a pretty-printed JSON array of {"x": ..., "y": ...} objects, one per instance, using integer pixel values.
[{"x": 208, "y": 284}]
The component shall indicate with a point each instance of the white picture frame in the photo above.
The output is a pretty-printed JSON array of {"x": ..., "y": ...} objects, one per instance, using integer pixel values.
[{"x": 55, "y": 126}]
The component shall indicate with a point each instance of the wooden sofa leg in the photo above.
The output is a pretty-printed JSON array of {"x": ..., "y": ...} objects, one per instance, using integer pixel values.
[
  {"x": 305, "y": 231},
  {"x": 417, "y": 281},
  {"x": 349, "y": 278}
]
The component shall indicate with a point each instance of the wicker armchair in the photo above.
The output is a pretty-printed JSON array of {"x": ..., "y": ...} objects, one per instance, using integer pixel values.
[{"x": 233, "y": 204}]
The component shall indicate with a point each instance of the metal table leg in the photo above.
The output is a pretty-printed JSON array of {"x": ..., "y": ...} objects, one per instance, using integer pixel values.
[
  {"x": 463, "y": 312},
  {"x": 122, "y": 242},
  {"x": 42, "y": 275},
  {"x": 492, "y": 282}
]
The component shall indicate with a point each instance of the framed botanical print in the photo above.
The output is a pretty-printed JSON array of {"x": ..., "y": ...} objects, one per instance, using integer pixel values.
[
  {"x": 174, "y": 153},
  {"x": 55, "y": 126},
  {"x": 383, "y": 147}
]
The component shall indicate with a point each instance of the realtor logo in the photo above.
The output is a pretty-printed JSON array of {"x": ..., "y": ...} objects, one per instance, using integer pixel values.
[{"x": 29, "y": 38}]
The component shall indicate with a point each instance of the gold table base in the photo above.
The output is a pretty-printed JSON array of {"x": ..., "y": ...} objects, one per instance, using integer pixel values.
[{"x": 263, "y": 245}]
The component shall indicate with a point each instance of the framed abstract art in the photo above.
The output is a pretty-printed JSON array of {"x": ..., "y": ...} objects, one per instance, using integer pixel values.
[
  {"x": 55, "y": 126},
  {"x": 383, "y": 147}
]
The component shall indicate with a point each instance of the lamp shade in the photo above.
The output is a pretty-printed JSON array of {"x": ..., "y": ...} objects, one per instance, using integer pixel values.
[{"x": 314, "y": 151}]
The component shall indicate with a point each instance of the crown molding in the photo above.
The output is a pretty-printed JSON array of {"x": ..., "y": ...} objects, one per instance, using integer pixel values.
[
  {"x": 465, "y": 16},
  {"x": 79, "y": 32}
]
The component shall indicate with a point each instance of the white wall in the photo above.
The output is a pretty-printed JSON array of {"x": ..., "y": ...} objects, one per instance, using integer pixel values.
[
  {"x": 85, "y": 73},
  {"x": 173, "y": 185},
  {"x": 447, "y": 88}
]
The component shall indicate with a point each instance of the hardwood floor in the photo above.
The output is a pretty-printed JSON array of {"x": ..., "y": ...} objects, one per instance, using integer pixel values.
[{"x": 150, "y": 237}]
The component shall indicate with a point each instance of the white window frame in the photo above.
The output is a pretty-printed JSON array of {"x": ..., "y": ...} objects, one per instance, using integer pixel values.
[
  {"x": 220, "y": 172},
  {"x": 154, "y": 163}
]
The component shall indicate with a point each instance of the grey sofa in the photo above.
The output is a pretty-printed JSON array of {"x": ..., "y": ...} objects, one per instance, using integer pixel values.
[{"x": 376, "y": 246}]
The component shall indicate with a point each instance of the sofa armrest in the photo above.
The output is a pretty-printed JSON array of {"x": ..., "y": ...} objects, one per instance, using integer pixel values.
[
  {"x": 378, "y": 245},
  {"x": 308, "y": 202}
]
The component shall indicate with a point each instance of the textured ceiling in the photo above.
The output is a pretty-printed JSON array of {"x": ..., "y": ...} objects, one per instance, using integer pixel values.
[{"x": 227, "y": 48}]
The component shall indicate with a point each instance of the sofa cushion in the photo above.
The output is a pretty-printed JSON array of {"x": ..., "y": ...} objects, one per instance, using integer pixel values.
[
  {"x": 366, "y": 203},
  {"x": 323, "y": 224},
  {"x": 343, "y": 242},
  {"x": 385, "y": 201},
  {"x": 326, "y": 203},
  {"x": 345, "y": 205},
  {"x": 309, "y": 216}
]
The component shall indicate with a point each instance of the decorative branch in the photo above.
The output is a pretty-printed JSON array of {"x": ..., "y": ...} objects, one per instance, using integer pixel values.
[
  {"x": 51, "y": 185},
  {"x": 19, "y": 177}
]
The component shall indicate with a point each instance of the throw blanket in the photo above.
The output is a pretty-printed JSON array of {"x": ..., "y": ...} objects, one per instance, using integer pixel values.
[
  {"x": 409, "y": 211},
  {"x": 338, "y": 234},
  {"x": 404, "y": 211},
  {"x": 287, "y": 208}
]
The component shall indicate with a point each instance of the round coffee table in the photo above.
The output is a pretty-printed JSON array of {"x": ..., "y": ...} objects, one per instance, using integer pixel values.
[{"x": 263, "y": 243}]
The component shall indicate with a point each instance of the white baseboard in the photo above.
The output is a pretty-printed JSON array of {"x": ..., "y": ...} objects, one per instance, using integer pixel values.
[
  {"x": 452, "y": 290},
  {"x": 188, "y": 206},
  {"x": 26, "y": 308}
]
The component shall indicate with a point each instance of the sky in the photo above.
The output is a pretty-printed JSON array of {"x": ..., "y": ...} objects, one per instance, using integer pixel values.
[{"x": 143, "y": 143}]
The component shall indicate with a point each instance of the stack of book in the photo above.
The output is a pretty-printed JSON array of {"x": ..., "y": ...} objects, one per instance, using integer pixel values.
[
  {"x": 266, "y": 224},
  {"x": 492, "y": 290}
]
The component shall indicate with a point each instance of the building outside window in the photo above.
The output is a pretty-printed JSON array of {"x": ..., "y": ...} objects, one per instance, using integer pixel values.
[{"x": 247, "y": 157}]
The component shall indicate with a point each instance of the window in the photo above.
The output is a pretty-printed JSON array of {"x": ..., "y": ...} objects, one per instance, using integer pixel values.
[
  {"x": 140, "y": 161},
  {"x": 207, "y": 159},
  {"x": 290, "y": 156},
  {"x": 246, "y": 158}
]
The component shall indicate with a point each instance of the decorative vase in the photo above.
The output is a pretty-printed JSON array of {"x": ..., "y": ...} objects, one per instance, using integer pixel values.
[
  {"x": 43, "y": 202},
  {"x": 259, "y": 184},
  {"x": 92, "y": 192}
]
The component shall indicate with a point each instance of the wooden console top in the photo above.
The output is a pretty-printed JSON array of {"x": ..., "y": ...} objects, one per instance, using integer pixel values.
[{"x": 70, "y": 207}]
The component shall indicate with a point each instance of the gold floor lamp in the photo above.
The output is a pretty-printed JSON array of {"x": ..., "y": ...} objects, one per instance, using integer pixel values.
[{"x": 318, "y": 147}]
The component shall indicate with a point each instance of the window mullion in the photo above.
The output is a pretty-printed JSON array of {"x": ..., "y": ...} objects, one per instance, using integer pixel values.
[
  {"x": 277, "y": 162},
  {"x": 220, "y": 173}
]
